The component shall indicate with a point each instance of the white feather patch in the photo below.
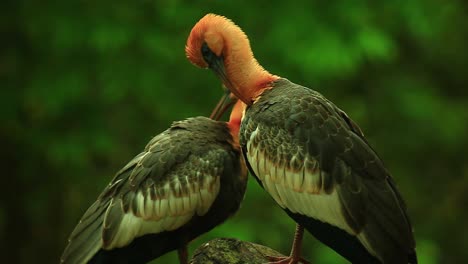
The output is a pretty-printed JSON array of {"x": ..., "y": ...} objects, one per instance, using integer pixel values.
[
  {"x": 168, "y": 213},
  {"x": 299, "y": 191}
]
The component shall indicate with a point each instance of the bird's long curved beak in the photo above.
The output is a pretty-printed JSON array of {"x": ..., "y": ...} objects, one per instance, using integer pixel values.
[
  {"x": 226, "y": 101},
  {"x": 217, "y": 65}
]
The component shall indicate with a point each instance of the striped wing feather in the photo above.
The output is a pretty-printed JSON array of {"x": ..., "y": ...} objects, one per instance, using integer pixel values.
[
  {"x": 314, "y": 161},
  {"x": 160, "y": 190}
]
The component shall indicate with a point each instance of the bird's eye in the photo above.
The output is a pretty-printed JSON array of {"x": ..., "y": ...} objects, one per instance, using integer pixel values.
[
  {"x": 205, "y": 50},
  {"x": 208, "y": 55}
]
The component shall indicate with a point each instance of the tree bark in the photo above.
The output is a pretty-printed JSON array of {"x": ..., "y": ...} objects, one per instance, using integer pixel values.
[{"x": 232, "y": 251}]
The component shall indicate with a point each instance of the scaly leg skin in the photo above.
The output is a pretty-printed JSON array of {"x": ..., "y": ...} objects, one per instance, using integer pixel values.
[
  {"x": 295, "y": 256},
  {"x": 183, "y": 254}
]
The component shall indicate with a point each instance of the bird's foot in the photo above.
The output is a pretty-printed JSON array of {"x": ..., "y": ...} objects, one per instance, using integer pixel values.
[{"x": 287, "y": 260}]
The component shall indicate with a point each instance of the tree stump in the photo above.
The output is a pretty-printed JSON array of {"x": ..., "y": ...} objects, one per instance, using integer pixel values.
[{"x": 232, "y": 251}]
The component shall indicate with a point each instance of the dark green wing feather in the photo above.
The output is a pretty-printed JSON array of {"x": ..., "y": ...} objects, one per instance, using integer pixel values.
[
  {"x": 175, "y": 177},
  {"x": 314, "y": 161}
]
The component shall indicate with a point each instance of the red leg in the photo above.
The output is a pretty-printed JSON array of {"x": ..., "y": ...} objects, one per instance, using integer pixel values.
[
  {"x": 183, "y": 254},
  {"x": 295, "y": 256}
]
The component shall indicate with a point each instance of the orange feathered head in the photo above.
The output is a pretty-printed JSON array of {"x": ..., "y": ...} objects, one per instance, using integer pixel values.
[
  {"x": 217, "y": 43},
  {"x": 207, "y": 38}
]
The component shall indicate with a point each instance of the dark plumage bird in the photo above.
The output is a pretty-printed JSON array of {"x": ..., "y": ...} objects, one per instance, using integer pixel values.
[
  {"x": 308, "y": 154},
  {"x": 189, "y": 179}
]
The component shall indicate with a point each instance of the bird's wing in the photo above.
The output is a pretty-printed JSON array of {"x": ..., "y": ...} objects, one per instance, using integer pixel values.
[
  {"x": 159, "y": 190},
  {"x": 314, "y": 161}
]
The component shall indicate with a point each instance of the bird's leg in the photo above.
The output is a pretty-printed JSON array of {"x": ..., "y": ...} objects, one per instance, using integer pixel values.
[
  {"x": 183, "y": 254},
  {"x": 295, "y": 256}
]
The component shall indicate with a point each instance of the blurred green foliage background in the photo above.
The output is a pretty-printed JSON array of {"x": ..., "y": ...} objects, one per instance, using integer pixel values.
[{"x": 85, "y": 84}]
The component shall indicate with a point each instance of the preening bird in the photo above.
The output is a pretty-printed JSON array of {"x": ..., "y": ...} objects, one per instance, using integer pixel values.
[
  {"x": 189, "y": 179},
  {"x": 308, "y": 154}
]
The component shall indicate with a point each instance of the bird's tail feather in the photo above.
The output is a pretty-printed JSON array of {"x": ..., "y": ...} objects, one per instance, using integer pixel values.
[{"x": 86, "y": 238}]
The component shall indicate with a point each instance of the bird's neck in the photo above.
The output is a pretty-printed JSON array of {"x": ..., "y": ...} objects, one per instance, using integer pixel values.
[
  {"x": 247, "y": 77},
  {"x": 234, "y": 128},
  {"x": 235, "y": 120}
]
